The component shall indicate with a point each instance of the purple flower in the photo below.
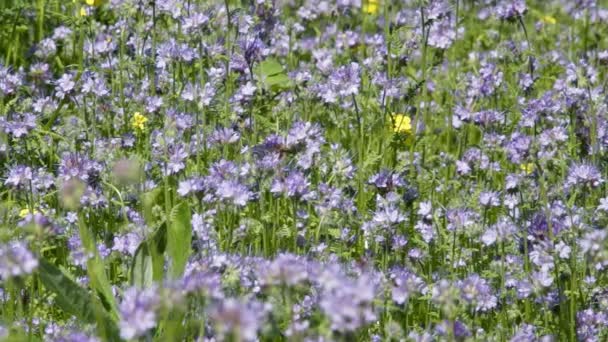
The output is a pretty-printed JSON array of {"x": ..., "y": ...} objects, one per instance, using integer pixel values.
[
  {"x": 489, "y": 199},
  {"x": 388, "y": 215},
  {"x": 457, "y": 328},
  {"x": 387, "y": 181},
  {"x": 224, "y": 136},
  {"x": 476, "y": 291},
  {"x": 21, "y": 125},
  {"x": 235, "y": 192},
  {"x": 19, "y": 176},
  {"x": 460, "y": 219},
  {"x": 127, "y": 243},
  {"x": 75, "y": 165},
  {"x": 603, "y": 204},
  {"x": 487, "y": 82},
  {"x": 16, "y": 260},
  {"x": 589, "y": 325},
  {"x": 294, "y": 185},
  {"x": 231, "y": 316},
  {"x": 46, "y": 48},
  {"x": 441, "y": 34},
  {"x": 138, "y": 312},
  {"x": 202, "y": 225},
  {"x": 510, "y": 9},
  {"x": 77, "y": 253},
  {"x": 525, "y": 333},
  {"x": 502, "y": 231},
  {"x": 65, "y": 85},
  {"x": 584, "y": 175},
  {"x": 405, "y": 284},
  {"x": 285, "y": 269},
  {"x": 445, "y": 295},
  {"x": 348, "y": 302}
]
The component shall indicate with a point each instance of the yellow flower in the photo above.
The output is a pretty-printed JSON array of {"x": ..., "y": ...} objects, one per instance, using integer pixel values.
[
  {"x": 24, "y": 212},
  {"x": 527, "y": 168},
  {"x": 547, "y": 19},
  {"x": 371, "y": 6},
  {"x": 402, "y": 123},
  {"x": 83, "y": 12},
  {"x": 94, "y": 2},
  {"x": 139, "y": 121}
]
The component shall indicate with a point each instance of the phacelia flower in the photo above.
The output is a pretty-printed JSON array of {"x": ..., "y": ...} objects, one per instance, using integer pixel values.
[
  {"x": 138, "y": 312},
  {"x": 16, "y": 260}
]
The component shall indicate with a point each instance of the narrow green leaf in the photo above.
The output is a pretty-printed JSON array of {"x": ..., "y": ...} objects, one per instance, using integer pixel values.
[
  {"x": 179, "y": 239},
  {"x": 75, "y": 300}
]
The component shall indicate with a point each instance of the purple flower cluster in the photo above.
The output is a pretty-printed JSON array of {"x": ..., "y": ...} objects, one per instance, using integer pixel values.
[{"x": 310, "y": 170}]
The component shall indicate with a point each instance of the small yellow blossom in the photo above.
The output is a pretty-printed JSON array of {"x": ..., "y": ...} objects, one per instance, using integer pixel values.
[
  {"x": 24, "y": 212},
  {"x": 527, "y": 168},
  {"x": 94, "y": 2},
  {"x": 547, "y": 19},
  {"x": 139, "y": 121},
  {"x": 371, "y": 6},
  {"x": 402, "y": 123},
  {"x": 83, "y": 12}
]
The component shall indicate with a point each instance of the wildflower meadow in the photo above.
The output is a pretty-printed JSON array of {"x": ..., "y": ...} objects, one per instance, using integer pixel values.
[{"x": 304, "y": 170}]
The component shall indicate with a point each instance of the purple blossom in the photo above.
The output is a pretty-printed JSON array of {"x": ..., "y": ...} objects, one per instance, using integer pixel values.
[
  {"x": 19, "y": 176},
  {"x": 294, "y": 185},
  {"x": 511, "y": 9},
  {"x": 16, "y": 260},
  {"x": 584, "y": 175},
  {"x": 234, "y": 192},
  {"x": 138, "y": 312},
  {"x": 242, "y": 319},
  {"x": 477, "y": 291}
]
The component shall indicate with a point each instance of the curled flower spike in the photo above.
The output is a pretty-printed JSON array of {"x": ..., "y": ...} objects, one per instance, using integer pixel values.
[{"x": 139, "y": 121}]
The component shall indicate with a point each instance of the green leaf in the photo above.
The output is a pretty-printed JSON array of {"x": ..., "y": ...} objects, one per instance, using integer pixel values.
[
  {"x": 179, "y": 239},
  {"x": 18, "y": 335},
  {"x": 75, "y": 300},
  {"x": 149, "y": 199},
  {"x": 270, "y": 67},
  {"x": 272, "y": 75},
  {"x": 158, "y": 245},
  {"x": 142, "y": 274},
  {"x": 278, "y": 81}
]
